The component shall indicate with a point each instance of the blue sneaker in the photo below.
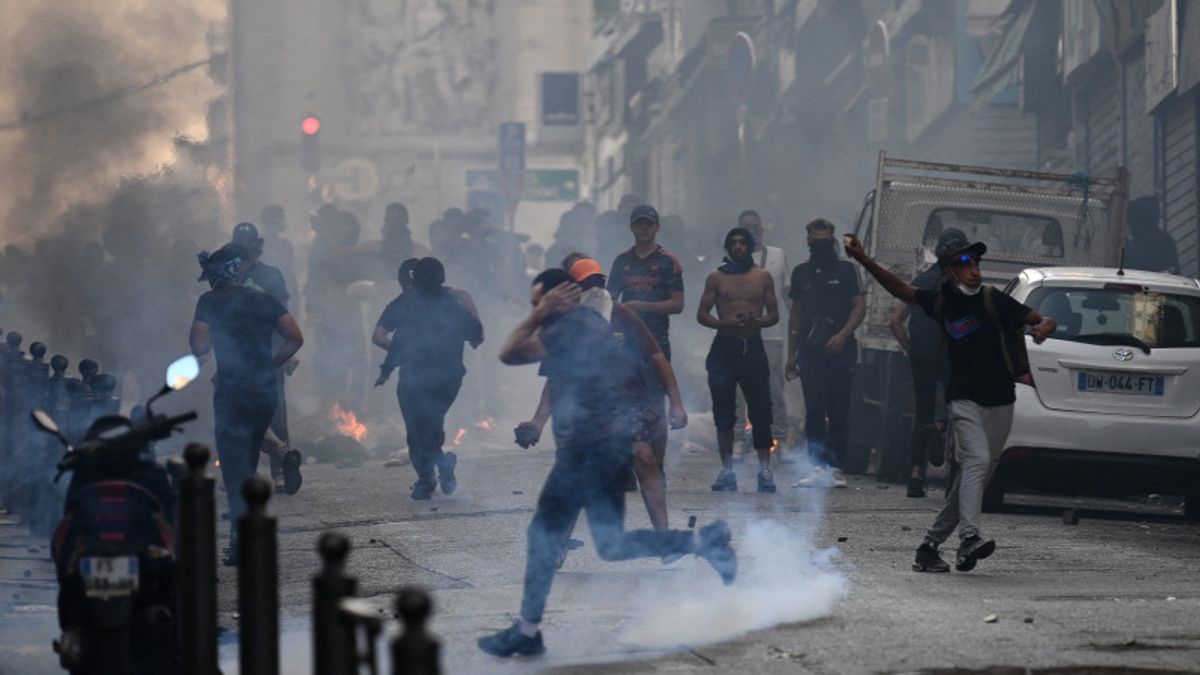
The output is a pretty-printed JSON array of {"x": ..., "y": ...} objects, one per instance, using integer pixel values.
[{"x": 512, "y": 641}]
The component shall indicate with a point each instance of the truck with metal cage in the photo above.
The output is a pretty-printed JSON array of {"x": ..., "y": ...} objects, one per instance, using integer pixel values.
[{"x": 1026, "y": 218}]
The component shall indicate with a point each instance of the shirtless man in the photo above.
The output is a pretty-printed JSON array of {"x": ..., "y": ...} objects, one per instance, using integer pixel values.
[{"x": 745, "y": 298}]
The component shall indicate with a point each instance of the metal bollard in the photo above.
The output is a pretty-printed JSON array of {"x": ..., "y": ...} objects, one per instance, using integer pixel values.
[
  {"x": 197, "y": 579},
  {"x": 333, "y": 637},
  {"x": 13, "y": 377},
  {"x": 258, "y": 582},
  {"x": 358, "y": 613},
  {"x": 415, "y": 651}
]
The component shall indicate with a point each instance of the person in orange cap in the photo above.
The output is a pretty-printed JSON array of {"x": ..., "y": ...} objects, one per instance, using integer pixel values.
[{"x": 639, "y": 344}]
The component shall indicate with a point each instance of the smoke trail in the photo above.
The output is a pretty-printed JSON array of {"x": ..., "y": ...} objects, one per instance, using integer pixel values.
[{"x": 783, "y": 578}]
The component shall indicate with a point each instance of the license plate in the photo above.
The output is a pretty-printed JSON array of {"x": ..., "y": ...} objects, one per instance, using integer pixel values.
[
  {"x": 109, "y": 577},
  {"x": 1120, "y": 383}
]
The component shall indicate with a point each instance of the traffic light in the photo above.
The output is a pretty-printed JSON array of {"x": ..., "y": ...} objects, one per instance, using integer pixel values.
[{"x": 310, "y": 149}]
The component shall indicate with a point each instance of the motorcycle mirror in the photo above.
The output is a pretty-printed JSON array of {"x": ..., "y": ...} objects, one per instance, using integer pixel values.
[
  {"x": 181, "y": 372},
  {"x": 46, "y": 423}
]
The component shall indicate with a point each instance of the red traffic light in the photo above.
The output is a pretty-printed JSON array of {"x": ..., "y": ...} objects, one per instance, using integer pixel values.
[{"x": 310, "y": 125}]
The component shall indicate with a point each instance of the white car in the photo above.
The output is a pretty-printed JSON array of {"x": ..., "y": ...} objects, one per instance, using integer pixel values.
[{"x": 1114, "y": 405}]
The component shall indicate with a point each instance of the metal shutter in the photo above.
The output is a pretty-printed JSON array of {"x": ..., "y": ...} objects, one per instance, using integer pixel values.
[{"x": 1179, "y": 171}]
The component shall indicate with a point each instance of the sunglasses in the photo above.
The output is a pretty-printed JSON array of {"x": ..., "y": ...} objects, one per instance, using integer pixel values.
[{"x": 964, "y": 259}]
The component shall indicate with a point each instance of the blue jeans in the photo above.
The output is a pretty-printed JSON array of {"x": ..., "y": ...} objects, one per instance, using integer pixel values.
[{"x": 588, "y": 476}]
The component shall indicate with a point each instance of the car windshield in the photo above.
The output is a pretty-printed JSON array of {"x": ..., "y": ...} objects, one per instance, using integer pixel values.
[
  {"x": 1120, "y": 314},
  {"x": 1012, "y": 234}
]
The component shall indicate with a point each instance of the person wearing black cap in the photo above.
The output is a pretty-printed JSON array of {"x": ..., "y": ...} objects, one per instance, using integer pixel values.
[
  {"x": 921, "y": 341},
  {"x": 285, "y": 461},
  {"x": 974, "y": 320},
  {"x": 237, "y": 322},
  {"x": 429, "y": 326},
  {"x": 1150, "y": 248},
  {"x": 648, "y": 279},
  {"x": 744, "y": 296}
]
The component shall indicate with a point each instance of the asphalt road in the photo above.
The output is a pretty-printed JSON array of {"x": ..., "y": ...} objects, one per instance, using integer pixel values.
[{"x": 825, "y": 583}]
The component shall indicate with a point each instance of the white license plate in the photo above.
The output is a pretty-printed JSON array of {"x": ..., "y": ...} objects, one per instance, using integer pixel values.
[
  {"x": 1108, "y": 382},
  {"x": 109, "y": 577}
]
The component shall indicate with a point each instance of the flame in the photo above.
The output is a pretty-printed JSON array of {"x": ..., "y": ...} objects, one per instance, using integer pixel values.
[
  {"x": 217, "y": 463},
  {"x": 459, "y": 436},
  {"x": 486, "y": 424},
  {"x": 347, "y": 423},
  {"x": 774, "y": 444}
]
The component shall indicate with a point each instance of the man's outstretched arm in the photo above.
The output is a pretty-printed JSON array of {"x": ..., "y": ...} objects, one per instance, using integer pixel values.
[{"x": 890, "y": 282}]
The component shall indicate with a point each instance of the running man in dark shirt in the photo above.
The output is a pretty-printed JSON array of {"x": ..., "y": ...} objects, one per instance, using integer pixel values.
[
  {"x": 285, "y": 461},
  {"x": 428, "y": 327},
  {"x": 237, "y": 323},
  {"x": 648, "y": 279},
  {"x": 584, "y": 370}
]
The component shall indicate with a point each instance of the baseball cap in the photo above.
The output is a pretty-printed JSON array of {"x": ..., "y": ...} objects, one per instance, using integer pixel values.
[
  {"x": 245, "y": 232},
  {"x": 952, "y": 244},
  {"x": 643, "y": 212}
]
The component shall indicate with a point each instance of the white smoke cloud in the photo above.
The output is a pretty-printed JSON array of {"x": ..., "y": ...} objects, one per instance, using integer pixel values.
[{"x": 784, "y": 578}]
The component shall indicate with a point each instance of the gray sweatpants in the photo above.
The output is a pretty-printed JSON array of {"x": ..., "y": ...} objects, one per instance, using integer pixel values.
[{"x": 979, "y": 434}]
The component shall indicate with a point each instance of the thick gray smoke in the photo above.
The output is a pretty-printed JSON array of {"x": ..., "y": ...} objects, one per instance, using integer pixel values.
[
  {"x": 68, "y": 132},
  {"x": 101, "y": 216}
]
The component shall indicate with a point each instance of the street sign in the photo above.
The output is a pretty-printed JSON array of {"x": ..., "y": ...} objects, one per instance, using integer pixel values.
[
  {"x": 355, "y": 179},
  {"x": 541, "y": 185},
  {"x": 512, "y": 146}
]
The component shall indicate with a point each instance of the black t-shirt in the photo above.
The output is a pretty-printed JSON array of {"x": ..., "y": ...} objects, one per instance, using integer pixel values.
[
  {"x": 923, "y": 332},
  {"x": 977, "y": 369},
  {"x": 586, "y": 373},
  {"x": 428, "y": 333},
  {"x": 651, "y": 279},
  {"x": 241, "y": 322},
  {"x": 824, "y": 296},
  {"x": 268, "y": 279}
]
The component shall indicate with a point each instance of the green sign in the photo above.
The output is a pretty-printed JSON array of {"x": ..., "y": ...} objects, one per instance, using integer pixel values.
[{"x": 541, "y": 185}]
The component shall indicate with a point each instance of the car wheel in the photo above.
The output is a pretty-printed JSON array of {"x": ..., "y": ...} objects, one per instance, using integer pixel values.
[
  {"x": 993, "y": 494},
  {"x": 1191, "y": 506}
]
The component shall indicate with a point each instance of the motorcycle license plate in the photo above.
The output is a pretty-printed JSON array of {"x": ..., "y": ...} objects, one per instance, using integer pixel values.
[
  {"x": 109, "y": 577},
  {"x": 1120, "y": 383}
]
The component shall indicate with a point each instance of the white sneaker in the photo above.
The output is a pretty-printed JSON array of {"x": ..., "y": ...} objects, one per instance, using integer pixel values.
[
  {"x": 816, "y": 479},
  {"x": 839, "y": 479}
]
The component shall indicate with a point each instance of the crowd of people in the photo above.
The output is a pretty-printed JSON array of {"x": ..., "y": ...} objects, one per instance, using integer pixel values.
[{"x": 602, "y": 336}]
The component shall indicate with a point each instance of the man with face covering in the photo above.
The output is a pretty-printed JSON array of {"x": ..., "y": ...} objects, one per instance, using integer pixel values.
[
  {"x": 827, "y": 305},
  {"x": 744, "y": 295},
  {"x": 429, "y": 327},
  {"x": 237, "y": 322},
  {"x": 981, "y": 391}
]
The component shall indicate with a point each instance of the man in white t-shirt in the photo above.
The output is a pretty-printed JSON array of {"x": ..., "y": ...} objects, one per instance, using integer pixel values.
[{"x": 774, "y": 261}]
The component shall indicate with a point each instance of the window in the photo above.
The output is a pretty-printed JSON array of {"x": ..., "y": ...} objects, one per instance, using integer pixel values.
[
  {"x": 1007, "y": 234},
  {"x": 1115, "y": 314}
]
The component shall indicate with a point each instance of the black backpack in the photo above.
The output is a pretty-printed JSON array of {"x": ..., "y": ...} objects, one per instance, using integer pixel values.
[{"x": 1012, "y": 340}]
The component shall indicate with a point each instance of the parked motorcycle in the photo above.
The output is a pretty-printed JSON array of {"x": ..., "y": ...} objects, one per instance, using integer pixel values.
[{"x": 114, "y": 549}]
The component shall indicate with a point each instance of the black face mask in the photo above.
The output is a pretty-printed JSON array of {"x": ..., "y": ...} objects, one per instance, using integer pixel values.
[{"x": 821, "y": 250}]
